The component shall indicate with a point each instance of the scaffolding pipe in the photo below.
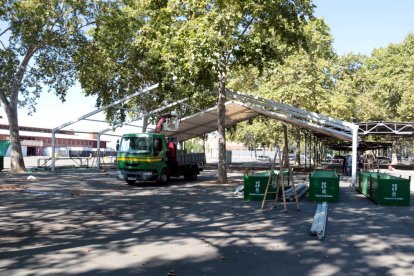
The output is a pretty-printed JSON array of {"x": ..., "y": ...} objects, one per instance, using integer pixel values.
[
  {"x": 98, "y": 150},
  {"x": 354, "y": 154},
  {"x": 146, "y": 90},
  {"x": 306, "y": 153},
  {"x": 53, "y": 148},
  {"x": 310, "y": 151}
]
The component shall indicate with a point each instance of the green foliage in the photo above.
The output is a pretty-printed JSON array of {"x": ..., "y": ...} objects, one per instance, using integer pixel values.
[
  {"x": 111, "y": 66},
  {"x": 259, "y": 132},
  {"x": 351, "y": 85},
  {"x": 392, "y": 70},
  {"x": 197, "y": 39},
  {"x": 375, "y": 88},
  {"x": 194, "y": 145},
  {"x": 38, "y": 41},
  {"x": 302, "y": 80}
]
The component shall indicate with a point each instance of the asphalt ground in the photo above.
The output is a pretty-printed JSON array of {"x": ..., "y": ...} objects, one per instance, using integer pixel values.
[{"x": 87, "y": 222}]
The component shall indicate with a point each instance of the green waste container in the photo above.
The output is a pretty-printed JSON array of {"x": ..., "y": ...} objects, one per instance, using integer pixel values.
[
  {"x": 4, "y": 146},
  {"x": 324, "y": 186},
  {"x": 385, "y": 189},
  {"x": 364, "y": 183},
  {"x": 255, "y": 185}
]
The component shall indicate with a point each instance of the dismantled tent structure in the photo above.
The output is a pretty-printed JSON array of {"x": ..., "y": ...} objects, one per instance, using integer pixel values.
[{"x": 239, "y": 107}]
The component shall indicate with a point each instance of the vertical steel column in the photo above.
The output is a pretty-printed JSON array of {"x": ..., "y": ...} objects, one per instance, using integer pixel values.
[
  {"x": 310, "y": 150},
  {"x": 306, "y": 152},
  {"x": 53, "y": 149},
  {"x": 315, "y": 153},
  {"x": 98, "y": 150},
  {"x": 354, "y": 154}
]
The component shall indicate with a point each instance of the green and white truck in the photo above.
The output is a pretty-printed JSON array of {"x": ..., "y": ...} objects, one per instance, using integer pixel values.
[{"x": 151, "y": 157}]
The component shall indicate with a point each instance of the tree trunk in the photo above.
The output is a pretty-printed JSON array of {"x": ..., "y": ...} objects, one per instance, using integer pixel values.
[
  {"x": 17, "y": 162},
  {"x": 285, "y": 162},
  {"x": 255, "y": 148},
  {"x": 144, "y": 123},
  {"x": 221, "y": 109},
  {"x": 145, "y": 114},
  {"x": 10, "y": 106},
  {"x": 297, "y": 157}
]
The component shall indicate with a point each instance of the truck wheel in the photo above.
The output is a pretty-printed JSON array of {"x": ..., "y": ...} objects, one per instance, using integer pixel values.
[
  {"x": 130, "y": 182},
  {"x": 164, "y": 178},
  {"x": 193, "y": 173}
]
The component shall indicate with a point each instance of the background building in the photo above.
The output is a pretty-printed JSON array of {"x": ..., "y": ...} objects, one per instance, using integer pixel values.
[{"x": 37, "y": 141}]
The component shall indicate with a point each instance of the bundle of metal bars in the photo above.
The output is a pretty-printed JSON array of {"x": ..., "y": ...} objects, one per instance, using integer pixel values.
[
  {"x": 301, "y": 190},
  {"x": 319, "y": 220}
]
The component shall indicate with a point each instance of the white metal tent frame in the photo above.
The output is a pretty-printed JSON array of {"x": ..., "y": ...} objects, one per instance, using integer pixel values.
[
  {"x": 386, "y": 128},
  {"x": 305, "y": 119},
  {"x": 251, "y": 106},
  {"x": 86, "y": 118},
  {"x": 240, "y": 107}
]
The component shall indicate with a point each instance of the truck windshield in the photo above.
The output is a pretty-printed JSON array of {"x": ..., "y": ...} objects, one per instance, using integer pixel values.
[{"x": 135, "y": 144}]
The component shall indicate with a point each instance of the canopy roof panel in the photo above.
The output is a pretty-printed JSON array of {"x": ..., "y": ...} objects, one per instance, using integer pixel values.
[
  {"x": 206, "y": 121},
  {"x": 244, "y": 107}
]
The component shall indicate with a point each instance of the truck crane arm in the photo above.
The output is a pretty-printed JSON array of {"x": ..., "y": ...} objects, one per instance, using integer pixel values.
[{"x": 161, "y": 122}]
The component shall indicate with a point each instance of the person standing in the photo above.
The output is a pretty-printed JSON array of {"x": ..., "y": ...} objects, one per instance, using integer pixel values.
[
  {"x": 349, "y": 164},
  {"x": 344, "y": 168}
]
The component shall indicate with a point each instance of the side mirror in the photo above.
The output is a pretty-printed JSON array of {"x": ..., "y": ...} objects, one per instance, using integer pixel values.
[{"x": 117, "y": 145}]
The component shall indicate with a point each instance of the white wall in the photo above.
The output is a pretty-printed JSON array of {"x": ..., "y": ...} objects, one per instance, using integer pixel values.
[{"x": 24, "y": 151}]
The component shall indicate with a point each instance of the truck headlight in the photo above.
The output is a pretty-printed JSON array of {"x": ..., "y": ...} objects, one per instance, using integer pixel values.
[{"x": 147, "y": 173}]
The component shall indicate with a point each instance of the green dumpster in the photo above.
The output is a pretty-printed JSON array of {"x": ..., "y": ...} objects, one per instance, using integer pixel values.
[
  {"x": 386, "y": 189},
  {"x": 255, "y": 185},
  {"x": 324, "y": 186},
  {"x": 4, "y": 146},
  {"x": 364, "y": 183}
]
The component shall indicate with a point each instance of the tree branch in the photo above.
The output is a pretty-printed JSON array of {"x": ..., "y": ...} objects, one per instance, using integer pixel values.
[
  {"x": 3, "y": 97},
  {"x": 20, "y": 73},
  {"x": 2, "y": 33},
  {"x": 247, "y": 27},
  {"x": 87, "y": 24},
  {"x": 3, "y": 45}
]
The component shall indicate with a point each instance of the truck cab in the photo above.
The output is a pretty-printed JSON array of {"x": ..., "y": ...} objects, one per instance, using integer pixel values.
[
  {"x": 141, "y": 157},
  {"x": 150, "y": 157}
]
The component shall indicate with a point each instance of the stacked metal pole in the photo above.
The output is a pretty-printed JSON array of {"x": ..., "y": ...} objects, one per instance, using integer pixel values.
[{"x": 319, "y": 220}]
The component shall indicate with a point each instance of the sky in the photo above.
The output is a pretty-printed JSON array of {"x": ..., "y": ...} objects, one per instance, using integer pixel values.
[{"x": 358, "y": 26}]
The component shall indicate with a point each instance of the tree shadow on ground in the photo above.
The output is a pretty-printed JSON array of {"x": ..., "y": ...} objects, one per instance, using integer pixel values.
[{"x": 99, "y": 225}]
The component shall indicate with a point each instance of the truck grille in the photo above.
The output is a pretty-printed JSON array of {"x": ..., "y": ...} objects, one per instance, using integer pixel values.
[{"x": 132, "y": 164}]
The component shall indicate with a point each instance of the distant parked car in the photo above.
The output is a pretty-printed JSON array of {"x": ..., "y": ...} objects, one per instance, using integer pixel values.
[
  {"x": 337, "y": 159},
  {"x": 383, "y": 160},
  {"x": 264, "y": 158}
]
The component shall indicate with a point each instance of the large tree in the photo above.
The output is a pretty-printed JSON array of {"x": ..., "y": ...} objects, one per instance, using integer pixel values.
[
  {"x": 111, "y": 66},
  {"x": 120, "y": 59},
  {"x": 38, "y": 41},
  {"x": 352, "y": 86},
  {"x": 392, "y": 69},
  {"x": 303, "y": 80},
  {"x": 202, "y": 42}
]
